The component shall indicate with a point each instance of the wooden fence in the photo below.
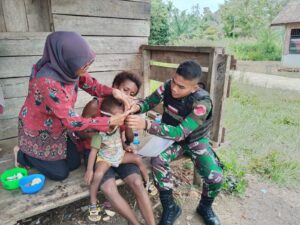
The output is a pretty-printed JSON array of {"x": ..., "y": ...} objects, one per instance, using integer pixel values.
[{"x": 160, "y": 63}]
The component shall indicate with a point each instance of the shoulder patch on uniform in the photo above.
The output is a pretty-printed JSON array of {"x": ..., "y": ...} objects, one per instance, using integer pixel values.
[{"x": 200, "y": 110}]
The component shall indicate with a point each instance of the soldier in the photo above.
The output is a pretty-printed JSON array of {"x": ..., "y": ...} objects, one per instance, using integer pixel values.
[{"x": 186, "y": 119}]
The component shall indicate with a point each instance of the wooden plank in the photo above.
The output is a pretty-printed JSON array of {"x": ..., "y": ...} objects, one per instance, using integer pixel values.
[
  {"x": 146, "y": 72},
  {"x": 16, "y": 100},
  {"x": 105, "y": 62},
  {"x": 37, "y": 15},
  {"x": 12, "y": 108},
  {"x": 171, "y": 65},
  {"x": 22, "y": 44},
  {"x": 104, "y": 45},
  {"x": 14, "y": 87},
  {"x": 18, "y": 87},
  {"x": 102, "y": 26},
  {"x": 2, "y": 22},
  {"x": 116, "y": 62},
  {"x": 53, "y": 195},
  {"x": 104, "y": 8},
  {"x": 8, "y": 128},
  {"x": 212, "y": 67},
  {"x": 30, "y": 44},
  {"x": 14, "y": 15},
  {"x": 182, "y": 49},
  {"x": 17, "y": 66},
  {"x": 6, "y": 147},
  {"x": 220, "y": 90},
  {"x": 107, "y": 77},
  {"x": 175, "y": 57},
  {"x": 163, "y": 74}
]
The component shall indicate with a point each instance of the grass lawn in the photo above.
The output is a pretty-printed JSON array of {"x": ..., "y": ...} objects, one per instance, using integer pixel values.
[{"x": 262, "y": 135}]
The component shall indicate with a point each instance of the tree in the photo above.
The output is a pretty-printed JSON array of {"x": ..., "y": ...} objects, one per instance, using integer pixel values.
[
  {"x": 159, "y": 30},
  {"x": 244, "y": 18}
]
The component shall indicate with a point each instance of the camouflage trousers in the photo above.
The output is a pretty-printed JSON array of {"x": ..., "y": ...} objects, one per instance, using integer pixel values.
[{"x": 204, "y": 161}]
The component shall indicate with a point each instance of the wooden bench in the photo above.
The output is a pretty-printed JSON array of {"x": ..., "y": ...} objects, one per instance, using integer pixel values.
[{"x": 14, "y": 205}]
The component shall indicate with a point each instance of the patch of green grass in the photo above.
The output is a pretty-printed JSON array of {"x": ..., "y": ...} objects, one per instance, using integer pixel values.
[
  {"x": 234, "y": 175},
  {"x": 262, "y": 131},
  {"x": 274, "y": 166}
]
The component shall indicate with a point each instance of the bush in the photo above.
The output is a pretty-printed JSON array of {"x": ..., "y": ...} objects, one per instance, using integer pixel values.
[{"x": 267, "y": 46}]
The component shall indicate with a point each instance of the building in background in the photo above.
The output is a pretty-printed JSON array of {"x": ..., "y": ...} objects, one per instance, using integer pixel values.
[{"x": 290, "y": 18}]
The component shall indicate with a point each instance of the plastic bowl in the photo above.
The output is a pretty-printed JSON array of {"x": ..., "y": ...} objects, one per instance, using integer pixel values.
[
  {"x": 10, "y": 178},
  {"x": 32, "y": 184}
]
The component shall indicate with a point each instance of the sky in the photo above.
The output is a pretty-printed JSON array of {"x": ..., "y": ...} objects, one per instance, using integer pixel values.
[{"x": 187, "y": 4}]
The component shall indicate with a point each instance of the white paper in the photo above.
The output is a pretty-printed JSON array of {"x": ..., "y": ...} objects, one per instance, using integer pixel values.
[{"x": 155, "y": 146}]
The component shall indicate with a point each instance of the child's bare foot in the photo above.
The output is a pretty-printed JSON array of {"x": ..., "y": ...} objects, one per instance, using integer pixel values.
[{"x": 16, "y": 150}]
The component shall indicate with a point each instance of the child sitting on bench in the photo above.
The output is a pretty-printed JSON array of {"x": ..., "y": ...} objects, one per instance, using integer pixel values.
[{"x": 107, "y": 151}]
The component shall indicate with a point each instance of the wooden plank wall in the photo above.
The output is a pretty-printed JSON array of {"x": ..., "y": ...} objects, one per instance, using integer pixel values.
[
  {"x": 215, "y": 65},
  {"x": 24, "y": 15},
  {"x": 114, "y": 28}
]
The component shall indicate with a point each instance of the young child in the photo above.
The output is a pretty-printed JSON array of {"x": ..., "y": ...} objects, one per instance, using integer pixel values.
[{"x": 107, "y": 151}]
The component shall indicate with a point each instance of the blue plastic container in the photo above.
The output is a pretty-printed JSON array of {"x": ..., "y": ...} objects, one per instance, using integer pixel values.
[{"x": 26, "y": 183}]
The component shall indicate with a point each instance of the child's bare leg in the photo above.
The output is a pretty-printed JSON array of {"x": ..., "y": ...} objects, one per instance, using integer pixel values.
[
  {"x": 117, "y": 201},
  {"x": 16, "y": 150},
  {"x": 101, "y": 168},
  {"x": 132, "y": 158}
]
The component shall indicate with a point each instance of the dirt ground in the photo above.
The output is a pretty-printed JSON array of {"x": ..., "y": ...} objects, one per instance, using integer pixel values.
[{"x": 263, "y": 204}]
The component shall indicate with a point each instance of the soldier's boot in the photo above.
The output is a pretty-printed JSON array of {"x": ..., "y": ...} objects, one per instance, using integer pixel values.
[
  {"x": 171, "y": 211},
  {"x": 205, "y": 210}
]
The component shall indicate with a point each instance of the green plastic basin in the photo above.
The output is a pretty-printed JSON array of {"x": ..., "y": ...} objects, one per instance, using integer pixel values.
[{"x": 10, "y": 178}]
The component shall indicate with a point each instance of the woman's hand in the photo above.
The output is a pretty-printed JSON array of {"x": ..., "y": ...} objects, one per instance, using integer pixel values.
[
  {"x": 136, "y": 122},
  {"x": 88, "y": 177},
  {"x": 127, "y": 100}
]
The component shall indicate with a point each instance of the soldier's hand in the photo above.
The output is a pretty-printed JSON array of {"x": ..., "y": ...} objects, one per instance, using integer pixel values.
[
  {"x": 135, "y": 122},
  {"x": 134, "y": 109}
]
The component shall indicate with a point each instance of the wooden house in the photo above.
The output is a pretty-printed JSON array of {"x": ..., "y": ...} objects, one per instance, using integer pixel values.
[
  {"x": 118, "y": 31},
  {"x": 289, "y": 17}
]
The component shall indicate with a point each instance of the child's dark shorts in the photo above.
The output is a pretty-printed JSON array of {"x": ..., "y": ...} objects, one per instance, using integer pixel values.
[{"x": 121, "y": 172}]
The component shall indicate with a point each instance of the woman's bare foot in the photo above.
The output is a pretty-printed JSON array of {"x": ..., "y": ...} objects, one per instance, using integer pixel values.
[{"x": 16, "y": 150}]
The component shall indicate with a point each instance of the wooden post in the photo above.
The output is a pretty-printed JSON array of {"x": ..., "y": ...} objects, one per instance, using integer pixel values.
[
  {"x": 221, "y": 78},
  {"x": 146, "y": 72}
]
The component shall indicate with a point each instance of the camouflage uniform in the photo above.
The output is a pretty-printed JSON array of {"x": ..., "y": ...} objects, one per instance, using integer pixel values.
[{"x": 187, "y": 122}]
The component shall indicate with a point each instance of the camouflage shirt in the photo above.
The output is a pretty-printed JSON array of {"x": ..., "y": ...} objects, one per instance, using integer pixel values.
[{"x": 196, "y": 118}]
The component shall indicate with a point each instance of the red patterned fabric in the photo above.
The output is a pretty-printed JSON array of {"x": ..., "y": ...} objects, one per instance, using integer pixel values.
[{"x": 48, "y": 113}]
